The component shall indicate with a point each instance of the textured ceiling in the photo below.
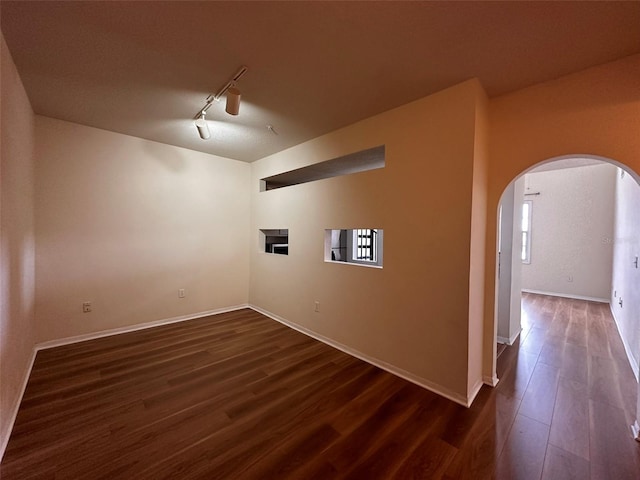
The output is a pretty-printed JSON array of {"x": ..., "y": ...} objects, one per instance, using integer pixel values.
[{"x": 146, "y": 68}]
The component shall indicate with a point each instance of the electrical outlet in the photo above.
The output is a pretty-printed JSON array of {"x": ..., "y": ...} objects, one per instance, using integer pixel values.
[
  {"x": 181, "y": 293},
  {"x": 316, "y": 307},
  {"x": 86, "y": 307}
]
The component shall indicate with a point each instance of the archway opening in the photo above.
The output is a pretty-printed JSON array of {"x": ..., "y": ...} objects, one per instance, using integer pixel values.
[{"x": 568, "y": 243}]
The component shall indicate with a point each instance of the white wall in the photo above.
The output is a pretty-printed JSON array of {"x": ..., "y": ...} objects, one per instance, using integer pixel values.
[
  {"x": 626, "y": 275},
  {"x": 124, "y": 223},
  {"x": 510, "y": 280},
  {"x": 516, "y": 262},
  {"x": 415, "y": 314},
  {"x": 17, "y": 251},
  {"x": 572, "y": 220}
]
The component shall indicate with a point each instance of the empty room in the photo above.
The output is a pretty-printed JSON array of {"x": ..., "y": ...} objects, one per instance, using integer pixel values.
[{"x": 285, "y": 240}]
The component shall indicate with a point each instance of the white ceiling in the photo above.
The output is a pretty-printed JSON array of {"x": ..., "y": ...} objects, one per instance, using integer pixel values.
[
  {"x": 564, "y": 163},
  {"x": 146, "y": 68}
]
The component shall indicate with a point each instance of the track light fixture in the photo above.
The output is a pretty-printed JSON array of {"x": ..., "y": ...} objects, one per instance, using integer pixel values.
[
  {"x": 233, "y": 103},
  {"x": 203, "y": 128}
]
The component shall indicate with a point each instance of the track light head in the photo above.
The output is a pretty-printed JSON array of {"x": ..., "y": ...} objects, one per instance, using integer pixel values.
[
  {"x": 203, "y": 127},
  {"x": 233, "y": 101}
]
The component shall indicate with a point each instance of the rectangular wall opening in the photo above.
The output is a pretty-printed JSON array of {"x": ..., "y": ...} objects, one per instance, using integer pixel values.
[
  {"x": 275, "y": 240},
  {"x": 362, "y": 161},
  {"x": 358, "y": 246}
]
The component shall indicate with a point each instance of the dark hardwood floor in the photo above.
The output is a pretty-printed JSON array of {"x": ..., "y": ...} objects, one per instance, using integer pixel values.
[{"x": 238, "y": 396}]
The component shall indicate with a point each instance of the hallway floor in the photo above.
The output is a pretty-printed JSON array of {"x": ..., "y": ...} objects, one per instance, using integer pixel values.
[{"x": 571, "y": 393}]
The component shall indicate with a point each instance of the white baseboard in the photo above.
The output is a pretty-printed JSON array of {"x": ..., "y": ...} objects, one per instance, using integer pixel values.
[
  {"x": 627, "y": 347},
  {"x": 491, "y": 381},
  {"x": 567, "y": 295},
  {"x": 509, "y": 341},
  {"x": 133, "y": 328},
  {"x": 474, "y": 392},
  {"x": 13, "y": 412},
  {"x": 422, "y": 382}
]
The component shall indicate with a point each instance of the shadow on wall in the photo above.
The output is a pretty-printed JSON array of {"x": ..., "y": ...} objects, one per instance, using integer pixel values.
[{"x": 171, "y": 158}]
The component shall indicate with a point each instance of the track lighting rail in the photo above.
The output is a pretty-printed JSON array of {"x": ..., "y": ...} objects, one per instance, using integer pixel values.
[{"x": 216, "y": 97}]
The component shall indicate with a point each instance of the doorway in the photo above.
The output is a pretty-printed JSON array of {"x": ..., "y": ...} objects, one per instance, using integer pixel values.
[{"x": 592, "y": 260}]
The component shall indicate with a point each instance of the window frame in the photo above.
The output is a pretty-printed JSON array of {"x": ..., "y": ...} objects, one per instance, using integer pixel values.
[{"x": 356, "y": 248}]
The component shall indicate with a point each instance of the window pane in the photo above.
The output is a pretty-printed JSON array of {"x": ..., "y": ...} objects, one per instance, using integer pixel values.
[
  {"x": 525, "y": 217},
  {"x": 527, "y": 207}
]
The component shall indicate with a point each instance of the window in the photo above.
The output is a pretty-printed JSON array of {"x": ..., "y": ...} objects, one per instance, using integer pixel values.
[
  {"x": 525, "y": 254},
  {"x": 361, "y": 246},
  {"x": 365, "y": 245}
]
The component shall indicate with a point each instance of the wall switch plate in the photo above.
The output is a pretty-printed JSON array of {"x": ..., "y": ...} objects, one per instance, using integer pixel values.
[
  {"x": 181, "y": 293},
  {"x": 86, "y": 307},
  {"x": 316, "y": 306}
]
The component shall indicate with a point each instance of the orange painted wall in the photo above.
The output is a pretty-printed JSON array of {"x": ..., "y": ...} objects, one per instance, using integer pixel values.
[
  {"x": 477, "y": 263},
  {"x": 593, "y": 112}
]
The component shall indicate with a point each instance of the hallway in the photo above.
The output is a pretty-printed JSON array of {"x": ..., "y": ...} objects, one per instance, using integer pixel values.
[{"x": 571, "y": 395}]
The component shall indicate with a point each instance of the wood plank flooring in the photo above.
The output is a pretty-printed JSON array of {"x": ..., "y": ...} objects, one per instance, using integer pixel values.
[{"x": 239, "y": 396}]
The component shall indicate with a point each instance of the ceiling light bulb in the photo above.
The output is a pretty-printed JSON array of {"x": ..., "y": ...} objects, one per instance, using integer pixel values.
[
  {"x": 233, "y": 101},
  {"x": 203, "y": 128}
]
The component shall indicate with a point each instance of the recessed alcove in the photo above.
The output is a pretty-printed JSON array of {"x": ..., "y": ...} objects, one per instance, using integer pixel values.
[
  {"x": 362, "y": 161},
  {"x": 275, "y": 240}
]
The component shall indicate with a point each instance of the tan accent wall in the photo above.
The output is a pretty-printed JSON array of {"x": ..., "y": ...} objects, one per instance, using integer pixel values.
[
  {"x": 17, "y": 251},
  {"x": 413, "y": 314}
]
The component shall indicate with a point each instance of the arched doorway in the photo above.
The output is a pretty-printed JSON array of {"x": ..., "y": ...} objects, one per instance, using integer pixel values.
[{"x": 622, "y": 242}]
